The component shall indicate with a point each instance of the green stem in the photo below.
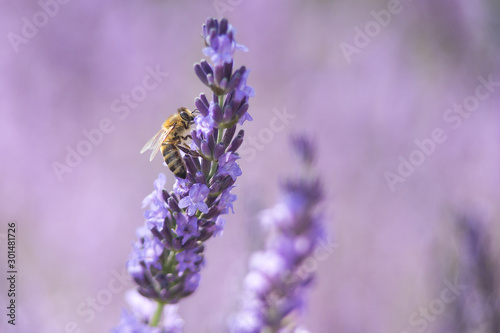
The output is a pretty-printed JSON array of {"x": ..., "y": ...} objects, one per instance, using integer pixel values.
[
  {"x": 169, "y": 261},
  {"x": 157, "y": 315},
  {"x": 221, "y": 100},
  {"x": 219, "y": 139}
]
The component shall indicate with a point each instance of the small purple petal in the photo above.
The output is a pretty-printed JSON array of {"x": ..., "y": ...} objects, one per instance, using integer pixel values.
[
  {"x": 204, "y": 125},
  {"x": 245, "y": 117},
  {"x": 219, "y": 226},
  {"x": 187, "y": 228},
  {"x": 195, "y": 201},
  {"x": 228, "y": 166},
  {"x": 181, "y": 187},
  {"x": 192, "y": 282},
  {"x": 189, "y": 259}
]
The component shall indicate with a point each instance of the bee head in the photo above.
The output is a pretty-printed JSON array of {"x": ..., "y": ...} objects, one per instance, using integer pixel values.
[{"x": 185, "y": 114}]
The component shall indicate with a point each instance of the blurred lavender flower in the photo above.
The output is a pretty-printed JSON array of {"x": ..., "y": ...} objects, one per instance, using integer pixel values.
[
  {"x": 137, "y": 322},
  {"x": 167, "y": 259},
  {"x": 478, "y": 309},
  {"x": 275, "y": 286}
]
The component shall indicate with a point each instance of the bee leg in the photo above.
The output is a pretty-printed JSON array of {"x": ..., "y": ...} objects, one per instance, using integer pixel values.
[
  {"x": 185, "y": 149},
  {"x": 188, "y": 150}
]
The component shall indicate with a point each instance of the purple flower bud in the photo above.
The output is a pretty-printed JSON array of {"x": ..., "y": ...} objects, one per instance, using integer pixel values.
[
  {"x": 200, "y": 177},
  {"x": 236, "y": 142},
  {"x": 157, "y": 234},
  {"x": 303, "y": 148},
  {"x": 228, "y": 135},
  {"x": 173, "y": 205},
  {"x": 202, "y": 107},
  {"x": 206, "y": 67},
  {"x": 205, "y": 234},
  {"x": 216, "y": 113},
  {"x": 201, "y": 74},
  {"x": 219, "y": 72},
  {"x": 210, "y": 203},
  {"x": 211, "y": 144},
  {"x": 165, "y": 195},
  {"x": 196, "y": 138},
  {"x": 224, "y": 181},
  {"x": 214, "y": 188},
  {"x": 205, "y": 166},
  {"x": 223, "y": 26},
  {"x": 242, "y": 110},
  {"x": 219, "y": 150},
  {"x": 196, "y": 161},
  {"x": 210, "y": 79},
  {"x": 204, "y": 100},
  {"x": 235, "y": 80},
  {"x": 228, "y": 114},
  {"x": 190, "y": 165},
  {"x": 168, "y": 235},
  {"x": 190, "y": 178},
  {"x": 223, "y": 84},
  {"x": 228, "y": 70},
  {"x": 204, "y": 148},
  {"x": 213, "y": 212}
]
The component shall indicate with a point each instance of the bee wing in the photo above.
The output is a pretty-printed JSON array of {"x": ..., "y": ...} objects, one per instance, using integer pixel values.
[{"x": 155, "y": 142}]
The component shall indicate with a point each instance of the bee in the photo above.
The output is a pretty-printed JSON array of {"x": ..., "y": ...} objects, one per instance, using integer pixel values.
[{"x": 170, "y": 139}]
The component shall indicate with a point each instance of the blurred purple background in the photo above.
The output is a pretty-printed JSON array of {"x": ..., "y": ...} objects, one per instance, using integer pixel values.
[{"x": 364, "y": 96}]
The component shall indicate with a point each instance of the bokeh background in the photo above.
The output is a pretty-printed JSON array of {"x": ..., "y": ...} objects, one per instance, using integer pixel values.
[{"x": 396, "y": 249}]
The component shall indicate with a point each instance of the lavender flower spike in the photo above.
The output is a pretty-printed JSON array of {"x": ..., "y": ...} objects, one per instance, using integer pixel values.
[
  {"x": 219, "y": 38},
  {"x": 168, "y": 256},
  {"x": 275, "y": 286}
]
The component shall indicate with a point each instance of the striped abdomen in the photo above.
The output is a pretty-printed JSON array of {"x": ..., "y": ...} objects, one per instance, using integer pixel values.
[{"x": 173, "y": 158}]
